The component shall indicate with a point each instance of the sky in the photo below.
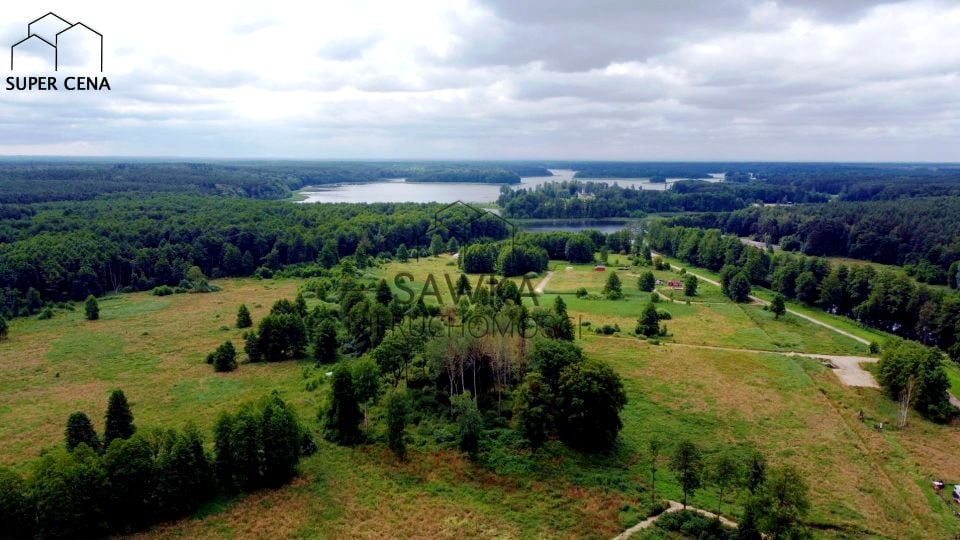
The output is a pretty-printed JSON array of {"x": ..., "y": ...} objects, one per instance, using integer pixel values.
[{"x": 788, "y": 80}]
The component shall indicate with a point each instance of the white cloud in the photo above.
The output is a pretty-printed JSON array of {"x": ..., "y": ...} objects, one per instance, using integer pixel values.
[{"x": 617, "y": 79}]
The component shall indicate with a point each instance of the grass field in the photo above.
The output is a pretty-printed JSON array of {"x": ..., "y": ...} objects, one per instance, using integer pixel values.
[{"x": 793, "y": 409}]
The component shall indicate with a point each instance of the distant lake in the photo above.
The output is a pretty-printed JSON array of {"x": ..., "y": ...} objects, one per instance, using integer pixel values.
[{"x": 399, "y": 190}]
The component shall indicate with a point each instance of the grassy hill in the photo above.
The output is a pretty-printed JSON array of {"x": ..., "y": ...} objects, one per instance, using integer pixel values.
[{"x": 793, "y": 409}]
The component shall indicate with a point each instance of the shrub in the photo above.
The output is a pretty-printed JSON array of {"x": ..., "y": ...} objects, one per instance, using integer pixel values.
[{"x": 162, "y": 290}]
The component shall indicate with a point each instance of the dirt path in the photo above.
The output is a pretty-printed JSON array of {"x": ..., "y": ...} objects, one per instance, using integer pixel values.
[
  {"x": 792, "y": 312},
  {"x": 847, "y": 368},
  {"x": 674, "y": 507},
  {"x": 543, "y": 283}
]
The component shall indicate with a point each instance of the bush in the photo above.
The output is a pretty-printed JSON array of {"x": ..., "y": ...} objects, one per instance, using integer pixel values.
[
  {"x": 581, "y": 292},
  {"x": 162, "y": 290},
  {"x": 224, "y": 358},
  {"x": 694, "y": 525}
]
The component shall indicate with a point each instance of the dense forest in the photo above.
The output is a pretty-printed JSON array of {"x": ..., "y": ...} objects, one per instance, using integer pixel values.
[
  {"x": 63, "y": 251},
  {"x": 40, "y": 181},
  {"x": 922, "y": 233}
]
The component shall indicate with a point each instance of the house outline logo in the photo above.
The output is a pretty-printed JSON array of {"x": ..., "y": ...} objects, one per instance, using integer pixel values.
[{"x": 56, "y": 39}]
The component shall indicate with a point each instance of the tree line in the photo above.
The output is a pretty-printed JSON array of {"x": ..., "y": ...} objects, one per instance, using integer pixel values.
[
  {"x": 131, "y": 478},
  {"x": 920, "y": 234},
  {"x": 67, "y": 251}
]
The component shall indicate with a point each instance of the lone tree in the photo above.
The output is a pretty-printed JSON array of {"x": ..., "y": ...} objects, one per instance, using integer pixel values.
[
  {"x": 687, "y": 464},
  {"x": 649, "y": 322},
  {"x": 613, "y": 289},
  {"x": 656, "y": 448},
  {"x": 690, "y": 285},
  {"x": 243, "y": 317},
  {"x": 224, "y": 358},
  {"x": 397, "y": 411},
  {"x": 118, "y": 423},
  {"x": 778, "y": 306},
  {"x": 646, "y": 282},
  {"x": 80, "y": 430},
  {"x": 91, "y": 308}
]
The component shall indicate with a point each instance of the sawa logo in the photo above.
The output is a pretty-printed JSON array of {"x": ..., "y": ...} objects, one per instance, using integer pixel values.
[{"x": 56, "y": 44}]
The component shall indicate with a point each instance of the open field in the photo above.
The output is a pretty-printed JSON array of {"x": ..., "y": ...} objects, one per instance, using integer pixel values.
[{"x": 791, "y": 408}]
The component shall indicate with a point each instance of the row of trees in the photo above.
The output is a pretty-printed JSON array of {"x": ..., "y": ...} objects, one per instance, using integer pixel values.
[
  {"x": 777, "y": 497},
  {"x": 884, "y": 299},
  {"x": 140, "y": 477}
]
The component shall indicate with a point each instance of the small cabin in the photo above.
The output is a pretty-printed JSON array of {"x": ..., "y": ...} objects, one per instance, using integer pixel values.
[
  {"x": 675, "y": 284},
  {"x": 599, "y": 268}
]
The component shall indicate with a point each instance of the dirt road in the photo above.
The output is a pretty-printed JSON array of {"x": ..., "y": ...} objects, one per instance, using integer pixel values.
[
  {"x": 674, "y": 507},
  {"x": 792, "y": 312},
  {"x": 543, "y": 283}
]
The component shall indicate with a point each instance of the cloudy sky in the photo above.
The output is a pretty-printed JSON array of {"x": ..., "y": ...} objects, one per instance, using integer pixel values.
[{"x": 852, "y": 80}]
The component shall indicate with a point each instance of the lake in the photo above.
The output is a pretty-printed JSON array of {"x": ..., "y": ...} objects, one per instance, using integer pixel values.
[{"x": 398, "y": 190}]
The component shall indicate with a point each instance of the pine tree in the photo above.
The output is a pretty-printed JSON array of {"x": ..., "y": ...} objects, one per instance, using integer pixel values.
[
  {"x": 383, "y": 295},
  {"x": 402, "y": 254},
  {"x": 613, "y": 289},
  {"x": 243, "y": 317},
  {"x": 80, "y": 430},
  {"x": 463, "y": 285},
  {"x": 91, "y": 308},
  {"x": 118, "y": 423},
  {"x": 649, "y": 322},
  {"x": 562, "y": 325},
  {"x": 690, "y": 285},
  {"x": 224, "y": 358},
  {"x": 646, "y": 282}
]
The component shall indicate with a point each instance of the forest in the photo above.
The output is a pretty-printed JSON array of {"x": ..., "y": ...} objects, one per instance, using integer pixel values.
[
  {"x": 922, "y": 234},
  {"x": 24, "y": 181}
]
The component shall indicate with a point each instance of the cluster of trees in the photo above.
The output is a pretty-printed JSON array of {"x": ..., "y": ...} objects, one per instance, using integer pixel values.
[
  {"x": 921, "y": 234},
  {"x": 506, "y": 258},
  {"x": 136, "y": 478},
  {"x": 66, "y": 251},
  {"x": 883, "y": 299},
  {"x": 480, "y": 378},
  {"x": 777, "y": 497},
  {"x": 914, "y": 375}
]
